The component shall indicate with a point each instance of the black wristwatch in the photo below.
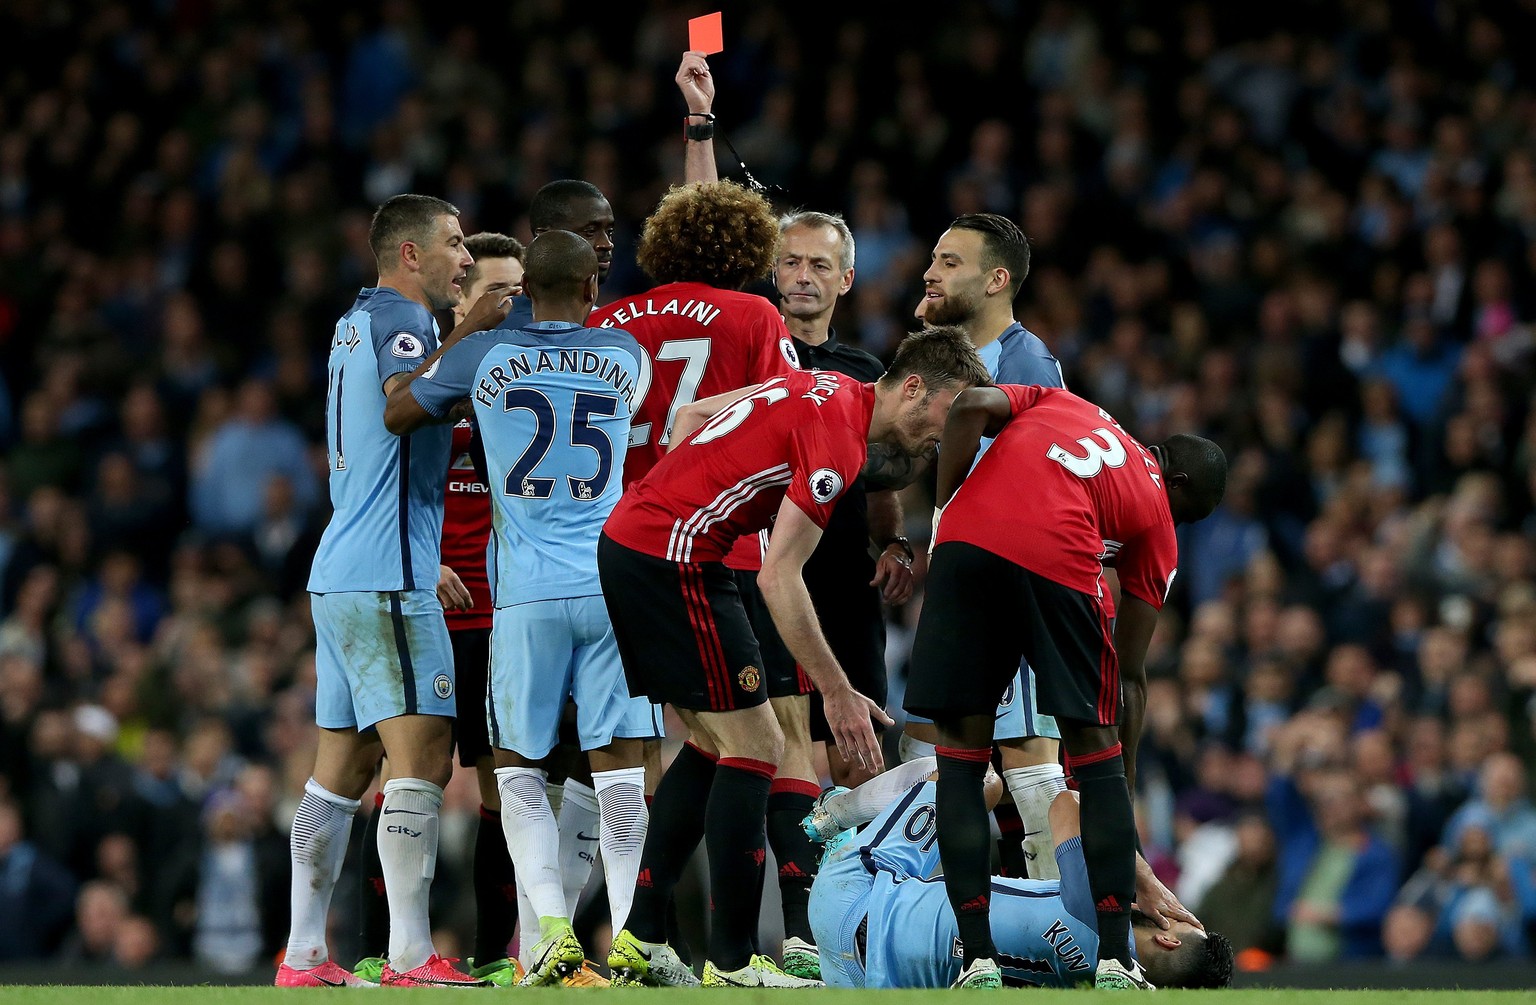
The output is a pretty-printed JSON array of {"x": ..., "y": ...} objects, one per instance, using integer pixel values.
[{"x": 906, "y": 546}]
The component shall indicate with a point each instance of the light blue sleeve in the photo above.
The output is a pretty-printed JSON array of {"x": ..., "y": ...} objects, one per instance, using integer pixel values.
[
  {"x": 1029, "y": 364},
  {"x": 449, "y": 379},
  {"x": 403, "y": 335},
  {"x": 1076, "y": 894}
]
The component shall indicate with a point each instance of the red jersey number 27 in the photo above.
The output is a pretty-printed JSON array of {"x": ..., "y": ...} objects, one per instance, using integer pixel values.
[{"x": 1095, "y": 456}]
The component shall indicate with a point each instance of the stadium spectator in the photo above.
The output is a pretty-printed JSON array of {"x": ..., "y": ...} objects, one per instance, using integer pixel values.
[{"x": 35, "y": 892}]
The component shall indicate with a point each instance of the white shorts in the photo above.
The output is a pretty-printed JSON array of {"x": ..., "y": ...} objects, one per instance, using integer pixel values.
[
  {"x": 547, "y": 652},
  {"x": 1018, "y": 714}
]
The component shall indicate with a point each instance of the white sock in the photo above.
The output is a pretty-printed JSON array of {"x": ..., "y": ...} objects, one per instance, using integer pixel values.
[
  {"x": 909, "y": 749},
  {"x": 624, "y": 818},
  {"x": 862, "y": 804},
  {"x": 579, "y": 816},
  {"x": 408, "y": 853},
  {"x": 533, "y": 841},
  {"x": 1033, "y": 789},
  {"x": 317, "y": 845},
  {"x": 556, "y": 796},
  {"x": 527, "y": 926}
]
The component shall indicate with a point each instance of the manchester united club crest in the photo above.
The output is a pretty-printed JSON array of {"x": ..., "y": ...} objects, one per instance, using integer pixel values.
[{"x": 749, "y": 678}]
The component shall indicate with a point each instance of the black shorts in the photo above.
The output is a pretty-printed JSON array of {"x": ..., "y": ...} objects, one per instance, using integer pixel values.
[
  {"x": 981, "y": 613},
  {"x": 471, "y": 668},
  {"x": 849, "y": 611},
  {"x": 784, "y": 676},
  {"x": 682, "y": 630}
]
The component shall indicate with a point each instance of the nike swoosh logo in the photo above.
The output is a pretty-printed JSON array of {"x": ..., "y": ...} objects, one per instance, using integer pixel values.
[
  {"x": 1029, "y": 856},
  {"x": 334, "y": 984},
  {"x": 414, "y": 813},
  {"x": 588, "y": 837}
]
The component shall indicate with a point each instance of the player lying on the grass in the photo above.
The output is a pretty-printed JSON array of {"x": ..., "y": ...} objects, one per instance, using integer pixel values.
[{"x": 883, "y": 921}]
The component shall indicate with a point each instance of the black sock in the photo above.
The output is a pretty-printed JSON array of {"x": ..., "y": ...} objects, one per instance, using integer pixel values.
[
  {"x": 675, "y": 830},
  {"x": 961, "y": 810},
  {"x": 794, "y": 853},
  {"x": 1010, "y": 842},
  {"x": 495, "y": 890},
  {"x": 734, "y": 837},
  {"x": 373, "y": 905},
  {"x": 675, "y": 937},
  {"x": 1109, "y": 847}
]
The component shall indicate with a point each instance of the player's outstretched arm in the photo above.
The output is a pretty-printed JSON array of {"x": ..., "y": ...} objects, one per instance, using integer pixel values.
[
  {"x": 698, "y": 88},
  {"x": 403, "y": 413},
  {"x": 1134, "y": 623},
  {"x": 795, "y": 536}
]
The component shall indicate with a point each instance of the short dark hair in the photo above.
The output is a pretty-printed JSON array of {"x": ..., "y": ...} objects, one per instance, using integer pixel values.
[
  {"x": 407, "y": 217},
  {"x": 1003, "y": 245},
  {"x": 1206, "y": 466},
  {"x": 551, "y": 205},
  {"x": 943, "y": 356},
  {"x": 558, "y": 263},
  {"x": 1199, "y": 962},
  {"x": 489, "y": 244}
]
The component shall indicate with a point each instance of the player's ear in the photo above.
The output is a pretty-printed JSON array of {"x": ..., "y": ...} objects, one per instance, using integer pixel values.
[
  {"x": 410, "y": 255},
  {"x": 1167, "y": 940},
  {"x": 589, "y": 289},
  {"x": 999, "y": 281},
  {"x": 912, "y": 387}
]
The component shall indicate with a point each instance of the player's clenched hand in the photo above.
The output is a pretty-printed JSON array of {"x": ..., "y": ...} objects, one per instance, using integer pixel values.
[
  {"x": 893, "y": 574},
  {"x": 489, "y": 311},
  {"x": 848, "y": 714},
  {"x": 694, "y": 81},
  {"x": 451, "y": 590},
  {"x": 1157, "y": 902}
]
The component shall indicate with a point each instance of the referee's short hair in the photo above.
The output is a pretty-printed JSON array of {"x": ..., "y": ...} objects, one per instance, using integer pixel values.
[
  {"x": 942, "y": 355},
  {"x": 402, "y": 218},
  {"x": 812, "y": 218}
]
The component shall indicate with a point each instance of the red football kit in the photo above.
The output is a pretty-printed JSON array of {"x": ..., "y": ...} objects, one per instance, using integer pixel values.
[
  {"x": 466, "y": 529},
  {"x": 699, "y": 341},
  {"x": 1066, "y": 493},
  {"x": 802, "y": 434}
]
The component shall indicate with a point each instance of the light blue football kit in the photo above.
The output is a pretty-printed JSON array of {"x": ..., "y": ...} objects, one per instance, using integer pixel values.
[
  {"x": 1018, "y": 356},
  {"x": 553, "y": 402},
  {"x": 882, "y": 920},
  {"x": 382, "y": 648}
]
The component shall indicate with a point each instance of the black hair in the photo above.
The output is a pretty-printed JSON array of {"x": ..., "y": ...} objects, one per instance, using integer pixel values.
[
  {"x": 1205, "y": 465},
  {"x": 1003, "y": 243},
  {"x": 558, "y": 263},
  {"x": 551, "y": 205},
  {"x": 402, "y": 218}
]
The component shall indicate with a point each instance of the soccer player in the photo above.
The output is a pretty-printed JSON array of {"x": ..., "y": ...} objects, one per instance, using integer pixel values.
[
  {"x": 385, "y": 675},
  {"x": 1010, "y": 581},
  {"x": 883, "y": 923},
  {"x": 553, "y": 406},
  {"x": 782, "y": 452},
  {"x": 977, "y": 268},
  {"x": 498, "y": 268},
  {"x": 814, "y": 270}
]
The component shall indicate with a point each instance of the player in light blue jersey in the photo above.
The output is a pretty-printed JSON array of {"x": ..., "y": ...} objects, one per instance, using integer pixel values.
[
  {"x": 978, "y": 267},
  {"x": 882, "y": 918},
  {"x": 384, "y": 669},
  {"x": 553, "y": 404}
]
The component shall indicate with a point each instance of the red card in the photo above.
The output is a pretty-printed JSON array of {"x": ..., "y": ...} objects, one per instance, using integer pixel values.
[{"x": 705, "y": 34}]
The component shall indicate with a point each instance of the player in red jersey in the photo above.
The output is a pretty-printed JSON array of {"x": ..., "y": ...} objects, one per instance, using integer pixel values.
[
  {"x": 701, "y": 335},
  {"x": 465, "y": 592},
  {"x": 780, "y": 453},
  {"x": 1017, "y": 571}
]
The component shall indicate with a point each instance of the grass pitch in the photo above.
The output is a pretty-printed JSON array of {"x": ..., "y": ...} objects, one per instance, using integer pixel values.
[{"x": 67, "y": 995}]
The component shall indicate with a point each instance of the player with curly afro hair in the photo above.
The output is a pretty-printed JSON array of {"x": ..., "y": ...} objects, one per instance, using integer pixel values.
[{"x": 717, "y": 233}]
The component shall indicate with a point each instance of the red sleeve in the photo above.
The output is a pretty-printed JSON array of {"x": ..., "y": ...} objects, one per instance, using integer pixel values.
[
  {"x": 823, "y": 464},
  {"x": 1023, "y": 396},
  {"x": 773, "y": 351},
  {"x": 1146, "y": 566}
]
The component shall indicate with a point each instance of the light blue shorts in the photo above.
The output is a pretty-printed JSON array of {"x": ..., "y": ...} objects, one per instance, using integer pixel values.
[
  {"x": 1018, "y": 714},
  {"x": 839, "y": 901},
  {"x": 379, "y": 655},
  {"x": 546, "y": 652}
]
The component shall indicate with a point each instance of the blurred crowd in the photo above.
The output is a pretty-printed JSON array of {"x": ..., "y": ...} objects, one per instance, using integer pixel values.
[{"x": 1308, "y": 232}]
